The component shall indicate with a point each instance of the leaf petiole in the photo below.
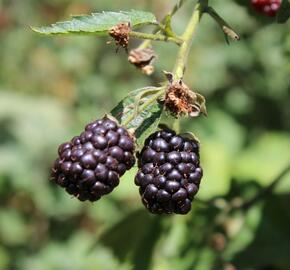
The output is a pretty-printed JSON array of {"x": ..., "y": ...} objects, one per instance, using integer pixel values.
[{"x": 155, "y": 37}]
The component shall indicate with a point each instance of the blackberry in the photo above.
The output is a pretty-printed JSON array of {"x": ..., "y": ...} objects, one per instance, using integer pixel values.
[
  {"x": 268, "y": 7},
  {"x": 169, "y": 172},
  {"x": 90, "y": 165}
]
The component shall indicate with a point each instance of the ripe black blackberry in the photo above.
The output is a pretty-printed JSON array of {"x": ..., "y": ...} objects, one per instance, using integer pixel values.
[
  {"x": 169, "y": 172},
  {"x": 90, "y": 165}
]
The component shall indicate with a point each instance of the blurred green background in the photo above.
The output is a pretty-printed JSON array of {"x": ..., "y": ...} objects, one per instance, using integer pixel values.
[{"x": 50, "y": 87}]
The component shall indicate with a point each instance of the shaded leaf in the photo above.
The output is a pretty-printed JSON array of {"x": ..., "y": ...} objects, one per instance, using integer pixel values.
[
  {"x": 97, "y": 23},
  {"x": 144, "y": 253},
  {"x": 269, "y": 238},
  {"x": 125, "y": 237},
  {"x": 284, "y": 12},
  {"x": 140, "y": 111},
  {"x": 150, "y": 124}
]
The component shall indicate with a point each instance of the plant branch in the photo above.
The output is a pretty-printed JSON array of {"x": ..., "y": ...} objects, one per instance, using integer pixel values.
[
  {"x": 155, "y": 37},
  {"x": 187, "y": 39},
  {"x": 165, "y": 25},
  {"x": 266, "y": 191},
  {"x": 164, "y": 29},
  {"x": 225, "y": 27},
  {"x": 161, "y": 27},
  {"x": 239, "y": 204}
]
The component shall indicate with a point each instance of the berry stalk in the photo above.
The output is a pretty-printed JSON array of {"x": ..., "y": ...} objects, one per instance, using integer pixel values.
[
  {"x": 264, "y": 192},
  {"x": 225, "y": 27},
  {"x": 187, "y": 39},
  {"x": 147, "y": 43},
  {"x": 182, "y": 55}
]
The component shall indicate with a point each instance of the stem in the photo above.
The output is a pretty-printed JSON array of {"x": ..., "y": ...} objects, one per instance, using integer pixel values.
[
  {"x": 226, "y": 28},
  {"x": 234, "y": 205},
  {"x": 266, "y": 191},
  {"x": 187, "y": 39},
  {"x": 167, "y": 32},
  {"x": 147, "y": 43},
  {"x": 155, "y": 37}
]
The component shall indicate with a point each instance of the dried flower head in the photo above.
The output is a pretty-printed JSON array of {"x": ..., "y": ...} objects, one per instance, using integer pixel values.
[
  {"x": 180, "y": 100},
  {"x": 143, "y": 59},
  {"x": 120, "y": 33}
]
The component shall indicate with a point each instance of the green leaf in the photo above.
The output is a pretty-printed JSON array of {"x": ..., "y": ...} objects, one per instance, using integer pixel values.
[
  {"x": 284, "y": 12},
  {"x": 127, "y": 236},
  {"x": 140, "y": 111},
  {"x": 143, "y": 254},
  {"x": 97, "y": 23},
  {"x": 269, "y": 237}
]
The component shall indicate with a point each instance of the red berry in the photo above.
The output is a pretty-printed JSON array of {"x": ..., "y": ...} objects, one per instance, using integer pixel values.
[{"x": 267, "y": 7}]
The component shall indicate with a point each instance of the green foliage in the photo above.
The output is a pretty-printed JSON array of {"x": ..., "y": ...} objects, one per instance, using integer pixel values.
[
  {"x": 140, "y": 240},
  {"x": 50, "y": 88},
  {"x": 284, "y": 12},
  {"x": 97, "y": 23},
  {"x": 273, "y": 249},
  {"x": 144, "y": 120}
]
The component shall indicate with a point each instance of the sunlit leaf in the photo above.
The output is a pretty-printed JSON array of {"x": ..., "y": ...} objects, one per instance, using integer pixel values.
[{"x": 97, "y": 23}]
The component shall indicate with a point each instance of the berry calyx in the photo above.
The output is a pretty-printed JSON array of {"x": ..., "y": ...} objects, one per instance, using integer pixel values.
[
  {"x": 180, "y": 100},
  {"x": 169, "y": 172},
  {"x": 267, "y": 7},
  {"x": 90, "y": 165}
]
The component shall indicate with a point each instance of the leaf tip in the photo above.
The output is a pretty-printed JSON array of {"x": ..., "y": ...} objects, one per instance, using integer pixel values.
[
  {"x": 38, "y": 30},
  {"x": 34, "y": 29}
]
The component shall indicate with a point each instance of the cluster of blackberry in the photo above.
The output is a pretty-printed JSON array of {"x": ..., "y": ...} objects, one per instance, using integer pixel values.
[
  {"x": 90, "y": 165},
  {"x": 169, "y": 173}
]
